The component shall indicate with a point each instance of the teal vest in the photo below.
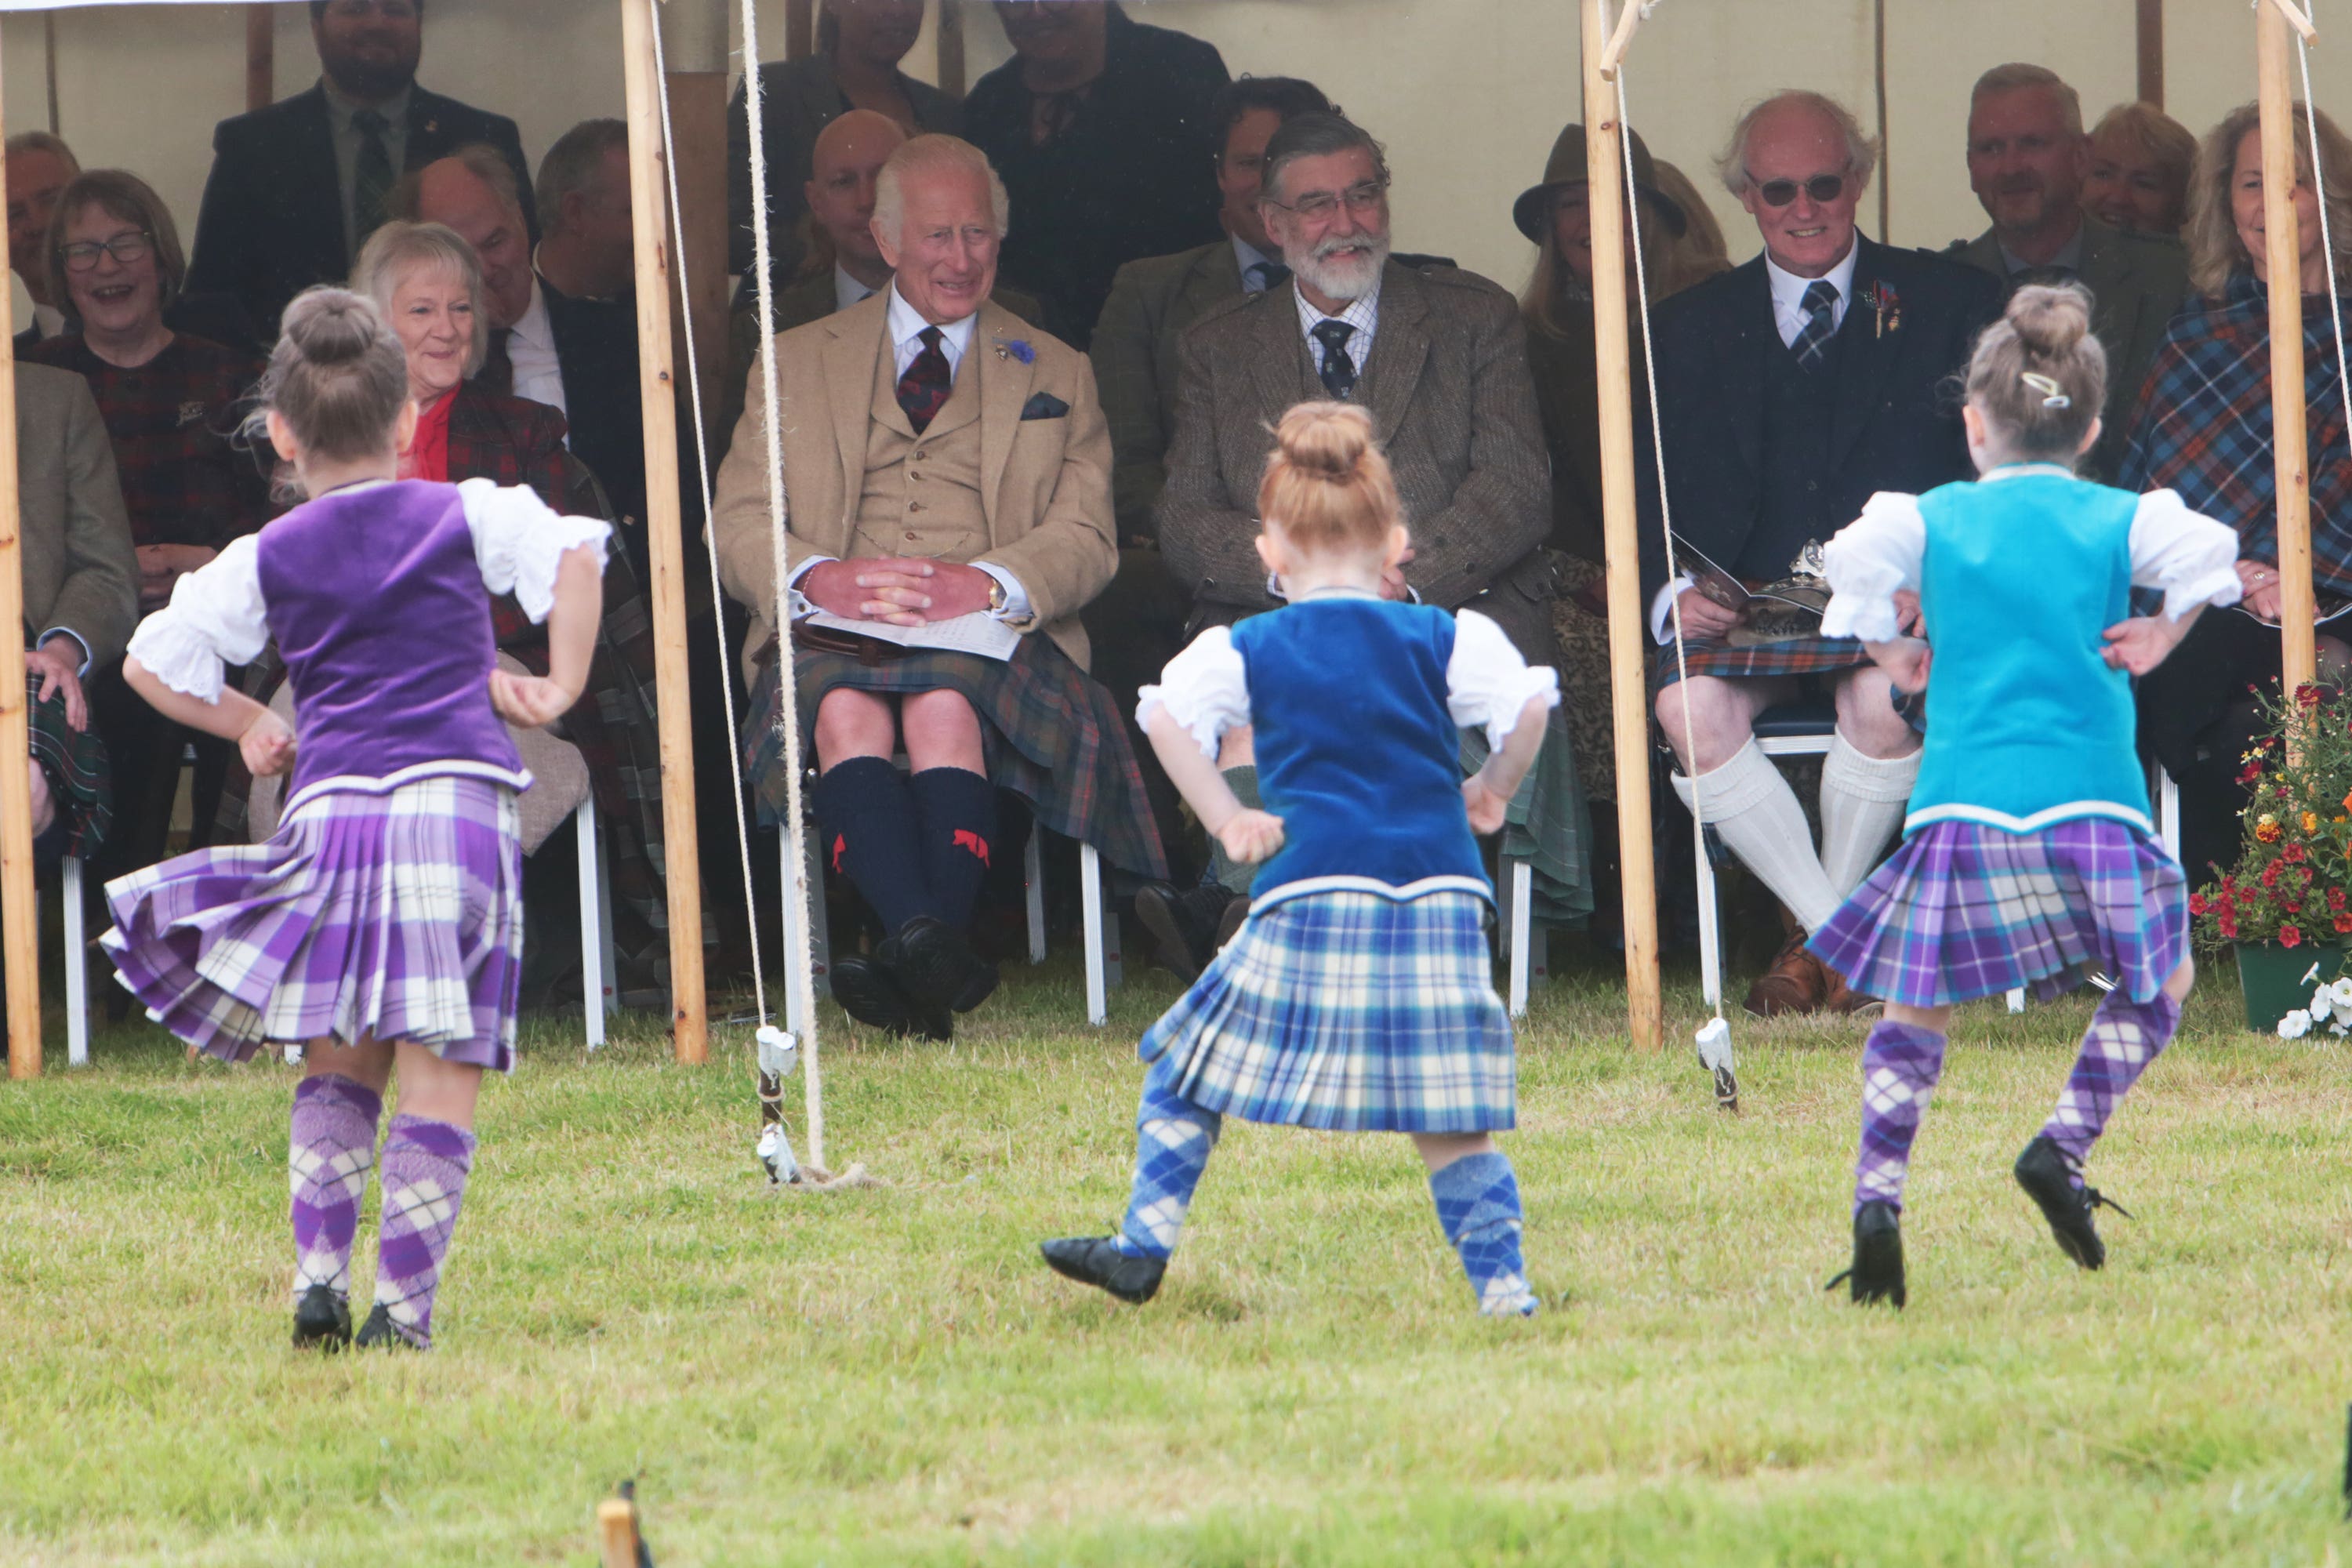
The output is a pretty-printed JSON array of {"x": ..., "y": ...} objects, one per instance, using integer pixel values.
[{"x": 2027, "y": 726}]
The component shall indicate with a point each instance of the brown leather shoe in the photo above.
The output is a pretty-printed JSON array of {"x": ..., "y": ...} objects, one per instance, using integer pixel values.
[
  {"x": 1845, "y": 999},
  {"x": 1797, "y": 983}
]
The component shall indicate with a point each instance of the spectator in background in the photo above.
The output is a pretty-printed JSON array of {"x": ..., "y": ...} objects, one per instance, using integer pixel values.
[
  {"x": 297, "y": 186},
  {"x": 859, "y": 44},
  {"x": 2027, "y": 155},
  {"x": 39, "y": 167},
  {"x": 1104, "y": 132},
  {"x": 2138, "y": 177},
  {"x": 585, "y": 275},
  {"x": 1699, "y": 252},
  {"x": 170, "y": 404}
]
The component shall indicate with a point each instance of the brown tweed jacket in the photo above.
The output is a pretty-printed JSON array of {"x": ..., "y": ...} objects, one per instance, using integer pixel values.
[
  {"x": 1137, "y": 350},
  {"x": 74, "y": 534},
  {"x": 1447, "y": 385}
]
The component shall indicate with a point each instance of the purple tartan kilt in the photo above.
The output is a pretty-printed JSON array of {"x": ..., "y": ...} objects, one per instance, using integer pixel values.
[
  {"x": 1051, "y": 736},
  {"x": 1963, "y": 910},
  {"x": 1798, "y": 655},
  {"x": 396, "y": 915}
]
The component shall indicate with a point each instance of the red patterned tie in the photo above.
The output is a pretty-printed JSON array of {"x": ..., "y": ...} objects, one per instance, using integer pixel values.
[{"x": 923, "y": 390}]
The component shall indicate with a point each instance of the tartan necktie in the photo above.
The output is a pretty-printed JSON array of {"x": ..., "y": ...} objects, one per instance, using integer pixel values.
[
  {"x": 1339, "y": 371},
  {"x": 1270, "y": 274},
  {"x": 923, "y": 390},
  {"x": 371, "y": 181},
  {"x": 497, "y": 374},
  {"x": 1821, "y": 322}
]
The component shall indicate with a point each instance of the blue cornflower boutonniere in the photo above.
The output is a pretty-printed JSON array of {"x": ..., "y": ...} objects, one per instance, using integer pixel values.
[{"x": 1016, "y": 348}]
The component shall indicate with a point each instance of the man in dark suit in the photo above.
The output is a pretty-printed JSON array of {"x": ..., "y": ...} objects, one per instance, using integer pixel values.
[
  {"x": 1101, "y": 128},
  {"x": 586, "y": 273},
  {"x": 1790, "y": 390},
  {"x": 296, "y": 187},
  {"x": 1437, "y": 356},
  {"x": 2027, "y": 159}
]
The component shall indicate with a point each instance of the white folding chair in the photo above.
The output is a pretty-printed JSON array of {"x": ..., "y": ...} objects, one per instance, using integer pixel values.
[
  {"x": 1530, "y": 959},
  {"x": 76, "y": 968},
  {"x": 598, "y": 968},
  {"x": 1791, "y": 729}
]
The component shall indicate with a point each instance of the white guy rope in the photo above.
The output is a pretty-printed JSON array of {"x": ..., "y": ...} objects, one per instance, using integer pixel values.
[
  {"x": 702, "y": 475},
  {"x": 799, "y": 977}
]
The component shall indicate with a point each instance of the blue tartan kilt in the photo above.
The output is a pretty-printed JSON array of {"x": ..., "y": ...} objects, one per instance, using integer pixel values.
[{"x": 1347, "y": 1011}]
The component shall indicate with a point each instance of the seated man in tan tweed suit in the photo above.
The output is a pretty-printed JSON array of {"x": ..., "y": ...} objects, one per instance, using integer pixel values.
[
  {"x": 1439, "y": 357},
  {"x": 942, "y": 458}
]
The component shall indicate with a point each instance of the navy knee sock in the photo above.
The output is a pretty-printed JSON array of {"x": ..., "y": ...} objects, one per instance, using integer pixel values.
[
  {"x": 871, "y": 834},
  {"x": 958, "y": 811}
]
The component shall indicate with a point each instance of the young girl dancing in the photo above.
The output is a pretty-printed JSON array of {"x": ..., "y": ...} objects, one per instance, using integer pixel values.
[
  {"x": 2027, "y": 859},
  {"x": 382, "y": 925},
  {"x": 1358, "y": 996}
]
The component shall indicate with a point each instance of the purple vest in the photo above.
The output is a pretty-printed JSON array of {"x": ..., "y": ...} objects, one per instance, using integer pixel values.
[{"x": 376, "y": 600}]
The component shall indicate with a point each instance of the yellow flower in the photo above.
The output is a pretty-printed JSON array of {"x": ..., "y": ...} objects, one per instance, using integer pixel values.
[
  {"x": 2311, "y": 822},
  {"x": 2267, "y": 828}
]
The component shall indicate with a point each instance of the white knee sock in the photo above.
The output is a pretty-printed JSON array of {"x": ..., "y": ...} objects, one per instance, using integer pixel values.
[
  {"x": 1760, "y": 820},
  {"x": 1862, "y": 803}
]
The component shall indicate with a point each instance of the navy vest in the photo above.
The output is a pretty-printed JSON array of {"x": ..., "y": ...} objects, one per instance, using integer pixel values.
[
  {"x": 376, "y": 600},
  {"x": 1357, "y": 751},
  {"x": 1799, "y": 408}
]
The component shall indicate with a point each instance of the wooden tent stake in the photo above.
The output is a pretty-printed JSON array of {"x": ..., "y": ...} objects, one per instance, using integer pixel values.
[
  {"x": 19, "y": 915},
  {"x": 1628, "y": 664},
  {"x": 657, "y": 387},
  {"x": 2289, "y": 432}
]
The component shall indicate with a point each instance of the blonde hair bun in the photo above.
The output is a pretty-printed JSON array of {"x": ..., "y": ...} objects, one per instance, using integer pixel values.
[
  {"x": 1324, "y": 439},
  {"x": 332, "y": 326},
  {"x": 2049, "y": 320},
  {"x": 1328, "y": 485}
]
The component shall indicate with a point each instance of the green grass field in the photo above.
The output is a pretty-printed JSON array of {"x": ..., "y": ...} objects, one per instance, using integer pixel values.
[{"x": 890, "y": 1375}]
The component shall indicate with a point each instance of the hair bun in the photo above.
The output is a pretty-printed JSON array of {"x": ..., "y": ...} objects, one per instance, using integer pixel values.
[
  {"x": 2050, "y": 319},
  {"x": 331, "y": 326},
  {"x": 1326, "y": 439}
]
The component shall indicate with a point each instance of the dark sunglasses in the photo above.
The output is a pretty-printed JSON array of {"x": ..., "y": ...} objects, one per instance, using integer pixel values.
[{"x": 1780, "y": 193}]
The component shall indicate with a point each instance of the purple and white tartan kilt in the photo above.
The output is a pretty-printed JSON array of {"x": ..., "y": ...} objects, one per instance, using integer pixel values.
[
  {"x": 1349, "y": 1012},
  {"x": 1963, "y": 910},
  {"x": 1796, "y": 655},
  {"x": 396, "y": 915}
]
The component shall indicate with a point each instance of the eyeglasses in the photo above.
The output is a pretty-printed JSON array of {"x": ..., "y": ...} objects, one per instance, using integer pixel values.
[
  {"x": 1780, "y": 193},
  {"x": 83, "y": 253},
  {"x": 1316, "y": 206}
]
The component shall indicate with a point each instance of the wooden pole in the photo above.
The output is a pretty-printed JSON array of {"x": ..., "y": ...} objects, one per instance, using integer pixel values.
[
  {"x": 616, "y": 1534},
  {"x": 657, "y": 389},
  {"x": 2289, "y": 431},
  {"x": 1629, "y": 688},
  {"x": 1886, "y": 153},
  {"x": 261, "y": 57},
  {"x": 19, "y": 915},
  {"x": 2150, "y": 31},
  {"x": 49, "y": 68}
]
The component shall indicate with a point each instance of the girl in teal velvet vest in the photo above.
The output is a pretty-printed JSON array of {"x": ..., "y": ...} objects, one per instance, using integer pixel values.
[{"x": 2028, "y": 858}]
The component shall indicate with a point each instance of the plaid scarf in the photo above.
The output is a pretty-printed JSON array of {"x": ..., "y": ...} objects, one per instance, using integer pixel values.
[{"x": 2204, "y": 425}]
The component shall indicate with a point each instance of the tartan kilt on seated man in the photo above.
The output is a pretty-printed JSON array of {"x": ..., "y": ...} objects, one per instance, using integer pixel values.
[
  {"x": 1784, "y": 404},
  {"x": 976, "y": 442}
]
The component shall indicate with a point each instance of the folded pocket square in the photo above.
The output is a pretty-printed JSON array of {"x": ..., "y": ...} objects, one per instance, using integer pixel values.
[{"x": 1044, "y": 406}]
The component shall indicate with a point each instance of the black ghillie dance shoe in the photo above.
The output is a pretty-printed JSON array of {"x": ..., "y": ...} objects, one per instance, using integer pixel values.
[
  {"x": 322, "y": 1319},
  {"x": 1877, "y": 1271},
  {"x": 2048, "y": 1178},
  {"x": 1096, "y": 1260}
]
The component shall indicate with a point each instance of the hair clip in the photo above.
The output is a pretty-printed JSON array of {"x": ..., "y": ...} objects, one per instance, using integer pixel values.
[{"x": 2052, "y": 394}]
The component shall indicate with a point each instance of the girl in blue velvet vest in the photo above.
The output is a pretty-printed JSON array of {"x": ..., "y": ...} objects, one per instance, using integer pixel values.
[
  {"x": 2027, "y": 859},
  {"x": 1359, "y": 995}
]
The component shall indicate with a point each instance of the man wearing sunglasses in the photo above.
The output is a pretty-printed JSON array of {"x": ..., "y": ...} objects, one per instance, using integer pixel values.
[
  {"x": 1788, "y": 391},
  {"x": 2027, "y": 160}
]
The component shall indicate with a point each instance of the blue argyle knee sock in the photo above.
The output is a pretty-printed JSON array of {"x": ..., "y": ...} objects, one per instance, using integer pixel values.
[
  {"x": 1173, "y": 1140},
  {"x": 1479, "y": 1208}
]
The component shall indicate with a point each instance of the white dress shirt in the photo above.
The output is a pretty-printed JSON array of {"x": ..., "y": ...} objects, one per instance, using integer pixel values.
[
  {"x": 847, "y": 290},
  {"x": 1363, "y": 314},
  {"x": 1249, "y": 257},
  {"x": 531, "y": 345},
  {"x": 1789, "y": 313}
]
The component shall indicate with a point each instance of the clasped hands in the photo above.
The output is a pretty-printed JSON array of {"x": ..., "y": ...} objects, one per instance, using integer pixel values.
[{"x": 905, "y": 591}]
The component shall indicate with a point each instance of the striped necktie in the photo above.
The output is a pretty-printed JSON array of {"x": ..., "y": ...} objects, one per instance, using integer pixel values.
[{"x": 1821, "y": 322}]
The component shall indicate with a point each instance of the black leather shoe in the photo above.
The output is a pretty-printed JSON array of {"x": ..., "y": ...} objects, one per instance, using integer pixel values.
[
  {"x": 377, "y": 1332},
  {"x": 872, "y": 994},
  {"x": 2048, "y": 1178},
  {"x": 936, "y": 966},
  {"x": 321, "y": 1320},
  {"x": 1877, "y": 1271},
  {"x": 1184, "y": 924},
  {"x": 1095, "y": 1260}
]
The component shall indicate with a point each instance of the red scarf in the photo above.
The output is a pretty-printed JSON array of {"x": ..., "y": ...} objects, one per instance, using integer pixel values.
[{"x": 428, "y": 457}]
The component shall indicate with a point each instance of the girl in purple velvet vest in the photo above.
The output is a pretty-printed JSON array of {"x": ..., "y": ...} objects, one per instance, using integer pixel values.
[
  {"x": 1358, "y": 996},
  {"x": 381, "y": 927}
]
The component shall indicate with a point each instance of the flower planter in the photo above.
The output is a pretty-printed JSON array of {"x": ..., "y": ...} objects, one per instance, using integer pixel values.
[{"x": 2273, "y": 978}]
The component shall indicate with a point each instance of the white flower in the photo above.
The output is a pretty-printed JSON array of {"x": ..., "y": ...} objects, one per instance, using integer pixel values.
[
  {"x": 2295, "y": 1025},
  {"x": 2340, "y": 992},
  {"x": 2322, "y": 1005}
]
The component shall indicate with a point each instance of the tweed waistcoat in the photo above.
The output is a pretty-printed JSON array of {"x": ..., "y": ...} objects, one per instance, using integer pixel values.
[
  {"x": 1800, "y": 405},
  {"x": 920, "y": 494}
]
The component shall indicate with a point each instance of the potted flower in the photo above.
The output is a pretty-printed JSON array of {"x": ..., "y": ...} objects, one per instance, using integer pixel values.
[{"x": 2283, "y": 906}]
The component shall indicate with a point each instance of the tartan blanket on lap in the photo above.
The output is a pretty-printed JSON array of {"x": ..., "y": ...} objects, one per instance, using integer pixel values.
[{"x": 79, "y": 778}]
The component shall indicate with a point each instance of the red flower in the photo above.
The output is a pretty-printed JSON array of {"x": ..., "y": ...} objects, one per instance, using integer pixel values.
[
  {"x": 2249, "y": 773},
  {"x": 2270, "y": 875},
  {"x": 2290, "y": 936},
  {"x": 2197, "y": 905},
  {"x": 2306, "y": 873},
  {"x": 2292, "y": 906},
  {"x": 2230, "y": 928},
  {"x": 2293, "y": 855},
  {"x": 2344, "y": 922},
  {"x": 2306, "y": 695}
]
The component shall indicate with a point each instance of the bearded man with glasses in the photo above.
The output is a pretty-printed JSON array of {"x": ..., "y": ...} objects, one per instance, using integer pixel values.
[{"x": 1790, "y": 390}]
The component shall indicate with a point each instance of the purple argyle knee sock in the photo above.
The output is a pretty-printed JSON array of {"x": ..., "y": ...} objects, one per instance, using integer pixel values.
[
  {"x": 425, "y": 1167},
  {"x": 328, "y": 1157},
  {"x": 2124, "y": 1036},
  {"x": 1900, "y": 1064}
]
